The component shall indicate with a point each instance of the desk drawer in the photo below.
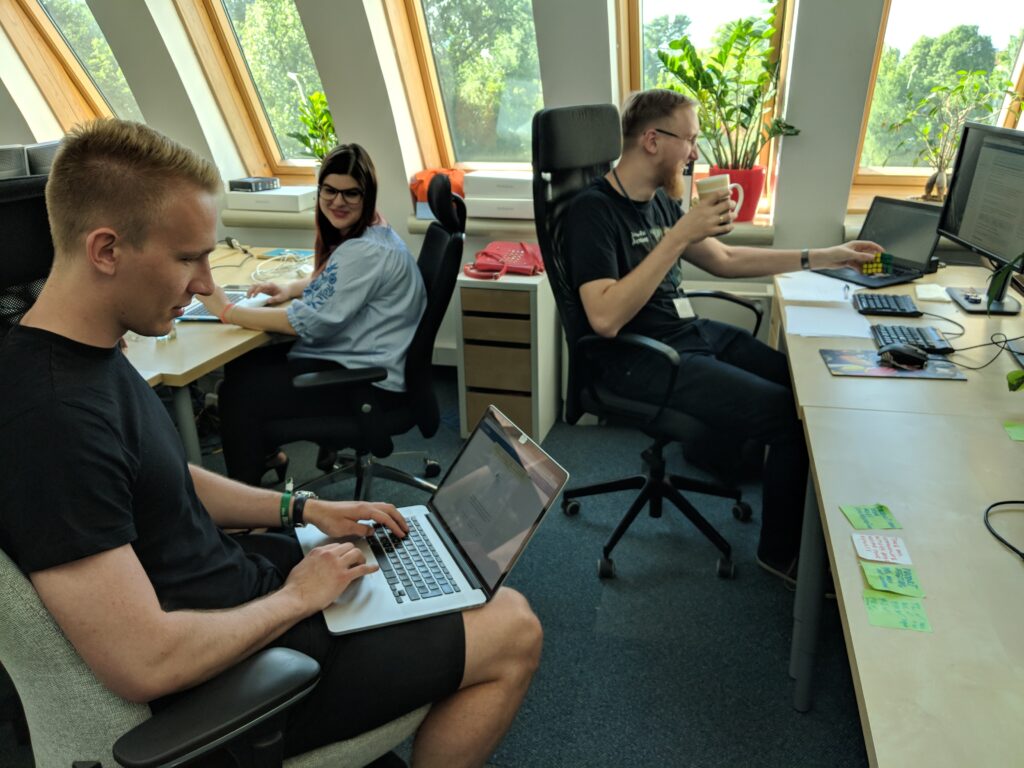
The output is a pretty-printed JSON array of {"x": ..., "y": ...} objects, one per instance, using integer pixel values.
[
  {"x": 495, "y": 329},
  {"x": 497, "y": 367},
  {"x": 496, "y": 301},
  {"x": 519, "y": 408}
]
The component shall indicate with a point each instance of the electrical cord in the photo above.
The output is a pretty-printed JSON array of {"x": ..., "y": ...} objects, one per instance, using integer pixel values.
[
  {"x": 233, "y": 243},
  {"x": 948, "y": 320},
  {"x": 997, "y": 339},
  {"x": 992, "y": 530},
  {"x": 286, "y": 265}
]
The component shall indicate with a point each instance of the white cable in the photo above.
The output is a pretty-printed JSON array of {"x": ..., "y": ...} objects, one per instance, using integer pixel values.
[{"x": 276, "y": 267}]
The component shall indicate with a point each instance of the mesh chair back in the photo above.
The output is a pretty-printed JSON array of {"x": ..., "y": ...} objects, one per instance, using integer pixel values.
[
  {"x": 28, "y": 254},
  {"x": 71, "y": 716},
  {"x": 571, "y": 147},
  {"x": 439, "y": 262}
]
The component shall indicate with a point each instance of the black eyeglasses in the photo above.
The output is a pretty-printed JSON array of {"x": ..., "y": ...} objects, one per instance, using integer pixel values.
[
  {"x": 352, "y": 196},
  {"x": 667, "y": 133}
]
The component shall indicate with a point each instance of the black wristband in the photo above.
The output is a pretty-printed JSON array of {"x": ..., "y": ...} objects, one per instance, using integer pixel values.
[
  {"x": 805, "y": 258},
  {"x": 298, "y": 510}
]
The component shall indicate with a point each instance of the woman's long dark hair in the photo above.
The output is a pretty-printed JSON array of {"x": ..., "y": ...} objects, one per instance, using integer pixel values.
[{"x": 347, "y": 160}]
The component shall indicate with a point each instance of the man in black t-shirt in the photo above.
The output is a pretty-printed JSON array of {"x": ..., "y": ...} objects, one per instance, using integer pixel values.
[
  {"x": 121, "y": 537},
  {"x": 623, "y": 237}
]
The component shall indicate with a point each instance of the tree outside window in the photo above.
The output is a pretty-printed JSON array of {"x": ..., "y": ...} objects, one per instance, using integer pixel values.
[
  {"x": 78, "y": 27},
  {"x": 485, "y": 55}
]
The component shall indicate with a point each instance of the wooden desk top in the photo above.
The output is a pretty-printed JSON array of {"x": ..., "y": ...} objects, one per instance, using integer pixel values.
[
  {"x": 953, "y": 697},
  {"x": 983, "y": 392}
]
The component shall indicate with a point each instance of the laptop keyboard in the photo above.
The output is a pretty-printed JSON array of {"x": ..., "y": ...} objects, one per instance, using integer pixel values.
[
  {"x": 411, "y": 565},
  {"x": 928, "y": 338},
  {"x": 198, "y": 309},
  {"x": 885, "y": 304}
]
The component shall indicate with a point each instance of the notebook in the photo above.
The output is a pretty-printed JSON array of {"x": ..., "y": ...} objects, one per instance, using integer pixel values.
[
  {"x": 463, "y": 543},
  {"x": 908, "y": 230}
]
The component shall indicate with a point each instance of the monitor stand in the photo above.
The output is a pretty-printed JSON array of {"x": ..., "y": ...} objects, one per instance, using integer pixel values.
[
  {"x": 975, "y": 302},
  {"x": 1016, "y": 347}
]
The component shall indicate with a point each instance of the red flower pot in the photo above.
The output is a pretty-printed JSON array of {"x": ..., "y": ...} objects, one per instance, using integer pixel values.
[{"x": 752, "y": 181}]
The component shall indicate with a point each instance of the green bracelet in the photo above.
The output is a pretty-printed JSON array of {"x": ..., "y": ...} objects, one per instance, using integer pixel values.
[{"x": 286, "y": 517}]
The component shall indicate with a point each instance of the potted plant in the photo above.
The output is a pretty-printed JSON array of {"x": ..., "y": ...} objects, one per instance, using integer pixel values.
[
  {"x": 319, "y": 137},
  {"x": 936, "y": 120},
  {"x": 735, "y": 85}
]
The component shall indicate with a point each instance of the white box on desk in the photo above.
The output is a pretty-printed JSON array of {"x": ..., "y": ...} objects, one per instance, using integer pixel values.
[
  {"x": 500, "y": 185},
  {"x": 498, "y": 208},
  {"x": 292, "y": 199}
]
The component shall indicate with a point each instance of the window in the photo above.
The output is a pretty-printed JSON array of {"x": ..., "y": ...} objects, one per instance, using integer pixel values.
[
  {"x": 933, "y": 71},
  {"x": 75, "y": 22},
  {"x": 474, "y": 85}
]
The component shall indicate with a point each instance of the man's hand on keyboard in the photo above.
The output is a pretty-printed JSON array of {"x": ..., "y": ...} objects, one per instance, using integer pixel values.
[
  {"x": 851, "y": 254},
  {"x": 341, "y": 518}
]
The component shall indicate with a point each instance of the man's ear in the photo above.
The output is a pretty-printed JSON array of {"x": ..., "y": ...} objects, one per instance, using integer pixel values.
[{"x": 102, "y": 246}]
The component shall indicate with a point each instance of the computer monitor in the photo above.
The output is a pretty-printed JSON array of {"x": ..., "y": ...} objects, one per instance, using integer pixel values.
[{"x": 984, "y": 209}]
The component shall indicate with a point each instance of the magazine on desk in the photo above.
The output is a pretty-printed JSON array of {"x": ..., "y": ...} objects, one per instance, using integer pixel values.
[{"x": 864, "y": 362}]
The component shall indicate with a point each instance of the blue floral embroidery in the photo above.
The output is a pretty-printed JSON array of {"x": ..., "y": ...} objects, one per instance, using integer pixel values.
[{"x": 321, "y": 290}]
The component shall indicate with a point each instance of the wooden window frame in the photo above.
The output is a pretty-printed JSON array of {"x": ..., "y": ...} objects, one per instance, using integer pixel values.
[
  {"x": 64, "y": 84},
  {"x": 213, "y": 40}
]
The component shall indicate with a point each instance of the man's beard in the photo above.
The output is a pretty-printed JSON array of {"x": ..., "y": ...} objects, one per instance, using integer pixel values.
[{"x": 672, "y": 183}]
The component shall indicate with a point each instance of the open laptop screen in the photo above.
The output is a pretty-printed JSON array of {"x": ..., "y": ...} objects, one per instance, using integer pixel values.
[
  {"x": 907, "y": 230},
  {"x": 495, "y": 495}
]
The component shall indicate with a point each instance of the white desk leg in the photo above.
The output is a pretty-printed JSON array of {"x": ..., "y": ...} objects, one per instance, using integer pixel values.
[
  {"x": 810, "y": 594},
  {"x": 187, "y": 425}
]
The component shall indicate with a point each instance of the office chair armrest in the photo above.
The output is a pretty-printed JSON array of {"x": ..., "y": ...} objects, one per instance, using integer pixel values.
[
  {"x": 216, "y": 711},
  {"x": 659, "y": 351},
  {"x": 724, "y": 296},
  {"x": 343, "y": 377}
]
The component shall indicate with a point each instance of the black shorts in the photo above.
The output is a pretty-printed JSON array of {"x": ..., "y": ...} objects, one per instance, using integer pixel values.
[{"x": 366, "y": 678}]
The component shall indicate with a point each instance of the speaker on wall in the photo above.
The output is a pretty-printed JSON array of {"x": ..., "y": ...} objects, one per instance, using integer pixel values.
[
  {"x": 13, "y": 161},
  {"x": 40, "y": 156}
]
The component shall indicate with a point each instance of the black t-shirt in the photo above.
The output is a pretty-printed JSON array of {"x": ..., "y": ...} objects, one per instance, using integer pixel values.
[
  {"x": 91, "y": 461},
  {"x": 605, "y": 235}
]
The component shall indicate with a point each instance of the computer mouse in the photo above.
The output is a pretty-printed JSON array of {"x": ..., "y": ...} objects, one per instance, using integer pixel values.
[{"x": 899, "y": 355}]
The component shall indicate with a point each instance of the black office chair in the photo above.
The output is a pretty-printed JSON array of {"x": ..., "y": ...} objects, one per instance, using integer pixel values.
[
  {"x": 28, "y": 251},
  {"x": 367, "y": 419},
  {"x": 571, "y": 147}
]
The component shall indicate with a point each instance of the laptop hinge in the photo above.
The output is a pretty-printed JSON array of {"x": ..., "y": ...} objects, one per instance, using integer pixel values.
[{"x": 453, "y": 549}]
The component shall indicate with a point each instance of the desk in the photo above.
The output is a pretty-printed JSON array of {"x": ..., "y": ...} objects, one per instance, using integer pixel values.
[
  {"x": 197, "y": 349},
  {"x": 935, "y": 452}
]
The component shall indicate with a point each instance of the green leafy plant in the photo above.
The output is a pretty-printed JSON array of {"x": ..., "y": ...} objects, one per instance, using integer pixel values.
[
  {"x": 936, "y": 120},
  {"x": 315, "y": 114},
  {"x": 735, "y": 85}
]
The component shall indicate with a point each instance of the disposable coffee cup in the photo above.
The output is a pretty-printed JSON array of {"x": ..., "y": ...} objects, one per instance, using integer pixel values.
[{"x": 716, "y": 186}]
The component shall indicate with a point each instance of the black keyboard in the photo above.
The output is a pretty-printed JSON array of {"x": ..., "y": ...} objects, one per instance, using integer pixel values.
[
  {"x": 900, "y": 305},
  {"x": 927, "y": 338},
  {"x": 411, "y": 565}
]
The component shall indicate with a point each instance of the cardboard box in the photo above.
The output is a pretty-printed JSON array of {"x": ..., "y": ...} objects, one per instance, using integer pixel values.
[
  {"x": 499, "y": 185},
  {"x": 289, "y": 199},
  {"x": 494, "y": 208}
]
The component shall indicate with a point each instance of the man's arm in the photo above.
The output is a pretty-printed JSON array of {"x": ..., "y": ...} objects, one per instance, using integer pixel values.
[
  {"x": 723, "y": 260},
  {"x": 108, "y": 609}
]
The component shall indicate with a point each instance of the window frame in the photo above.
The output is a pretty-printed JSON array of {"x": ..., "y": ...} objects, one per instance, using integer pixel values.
[
  {"x": 213, "y": 39},
  {"x": 62, "y": 80}
]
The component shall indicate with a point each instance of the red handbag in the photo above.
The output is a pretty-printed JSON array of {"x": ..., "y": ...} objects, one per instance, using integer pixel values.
[{"x": 503, "y": 256}]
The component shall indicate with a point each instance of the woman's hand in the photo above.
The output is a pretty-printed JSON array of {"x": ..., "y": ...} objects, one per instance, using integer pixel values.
[
  {"x": 341, "y": 518},
  {"x": 276, "y": 292},
  {"x": 216, "y": 301},
  {"x": 851, "y": 254}
]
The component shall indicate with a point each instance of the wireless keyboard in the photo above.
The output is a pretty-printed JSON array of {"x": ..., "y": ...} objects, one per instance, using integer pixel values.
[
  {"x": 894, "y": 305},
  {"x": 927, "y": 338}
]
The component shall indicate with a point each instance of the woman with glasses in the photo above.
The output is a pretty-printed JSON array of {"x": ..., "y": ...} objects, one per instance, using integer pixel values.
[{"x": 358, "y": 309}]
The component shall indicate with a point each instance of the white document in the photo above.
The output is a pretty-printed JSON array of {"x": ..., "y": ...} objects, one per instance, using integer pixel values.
[
  {"x": 931, "y": 292},
  {"x": 882, "y": 549},
  {"x": 842, "y": 320},
  {"x": 811, "y": 287}
]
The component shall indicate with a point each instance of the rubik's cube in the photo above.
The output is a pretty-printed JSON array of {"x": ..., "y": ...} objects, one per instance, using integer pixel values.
[{"x": 881, "y": 265}]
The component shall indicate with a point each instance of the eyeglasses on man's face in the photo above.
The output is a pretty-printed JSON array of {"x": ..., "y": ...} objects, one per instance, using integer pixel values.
[{"x": 352, "y": 196}]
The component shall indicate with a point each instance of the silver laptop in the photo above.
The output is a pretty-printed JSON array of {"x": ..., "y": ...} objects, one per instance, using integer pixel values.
[
  {"x": 463, "y": 543},
  {"x": 197, "y": 311},
  {"x": 908, "y": 230}
]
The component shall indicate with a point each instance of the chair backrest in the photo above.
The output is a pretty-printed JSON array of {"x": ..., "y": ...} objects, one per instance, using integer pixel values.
[
  {"x": 71, "y": 715},
  {"x": 439, "y": 261},
  {"x": 571, "y": 147},
  {"x": 28, "y": 247}
]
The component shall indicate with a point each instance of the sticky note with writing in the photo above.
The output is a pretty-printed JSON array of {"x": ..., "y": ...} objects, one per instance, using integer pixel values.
[
  {"x": 896, "y": 611},
  {"x": 866, "y": 516},
  {"x": 883, "y": 549},
  {"x": 893, "y": 578}
]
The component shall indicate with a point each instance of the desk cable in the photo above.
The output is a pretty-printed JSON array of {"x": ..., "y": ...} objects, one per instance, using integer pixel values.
[
  {"x": 992, "y": 530},
  {"x": 285, "y": 265},
  {"x": 997, "y": 339},
  {"x": 233, "y": 243}
]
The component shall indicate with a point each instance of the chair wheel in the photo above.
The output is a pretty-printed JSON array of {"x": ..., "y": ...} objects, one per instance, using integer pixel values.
[
  {"x": 570, "y": 507},
  {"x": 726, "y": 568},
  {"x": 431, "y": 468},
  {"x": 741, "y": 511},
  {"x": 605, "y": 568}
]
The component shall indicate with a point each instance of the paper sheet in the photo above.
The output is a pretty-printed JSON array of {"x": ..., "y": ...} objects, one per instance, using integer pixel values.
[
  {"x": 867, "y": 516},
  {"x": 883, "y": 549},
  {"x": 896, "y": 611},
  {"x": 812, "y": 287},
  {"x": 827, "y": 322},
  {"x": 893, "y": 578},
  {"x": 1014, "y": 429}
]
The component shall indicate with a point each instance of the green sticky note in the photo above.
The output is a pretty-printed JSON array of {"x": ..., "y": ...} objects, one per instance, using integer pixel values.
[
  {"x": 892, "y": 578},
  {"x": 867, "y": 516},
  {"x": 1014, "y": 429},
  {"x": 896, "y": 611}
]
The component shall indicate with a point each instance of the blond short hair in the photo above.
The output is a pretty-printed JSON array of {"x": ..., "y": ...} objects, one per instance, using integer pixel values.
[
  {"x": 642, "y": 108},
  {"x": 119, "y": 174}
]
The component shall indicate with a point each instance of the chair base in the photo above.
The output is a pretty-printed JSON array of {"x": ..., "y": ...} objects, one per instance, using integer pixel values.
[
  {"x": 656, "y": 486},
  {"x": 365, "y": 468}
]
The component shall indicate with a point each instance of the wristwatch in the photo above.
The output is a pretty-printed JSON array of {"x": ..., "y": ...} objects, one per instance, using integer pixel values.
[
  {"x": 805, "y": 258},
  {"x": 298, "y": 507}
]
